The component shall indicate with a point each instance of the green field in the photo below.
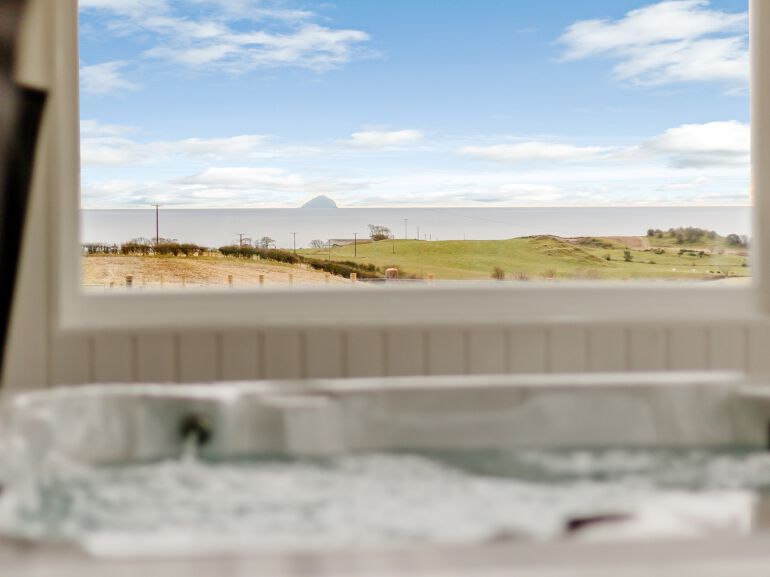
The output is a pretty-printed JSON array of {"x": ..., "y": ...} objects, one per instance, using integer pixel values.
[{"x": 545, "y": 257}]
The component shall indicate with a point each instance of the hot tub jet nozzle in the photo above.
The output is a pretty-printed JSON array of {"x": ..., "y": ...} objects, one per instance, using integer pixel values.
[{"x": 196, "y": 427}]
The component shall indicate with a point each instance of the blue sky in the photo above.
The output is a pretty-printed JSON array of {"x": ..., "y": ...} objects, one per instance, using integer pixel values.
[{"x": 260, "y": 103}]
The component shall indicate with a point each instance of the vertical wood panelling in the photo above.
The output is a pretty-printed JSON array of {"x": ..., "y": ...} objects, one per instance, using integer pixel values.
[
  {"x": 759, "y": 348},
  {"x": 688, "y": 348},
  {"x": 728, "y": 349},
  {"x": 239, "y": 355},
  {"x": 365, "y": 353},
  {"x": 156, "y": 358},
  {"x": 199, "y": 357},
  {"x": 71, "y": 359},
  {"x": 405, "y": 352},
  {"x": 607, "y": 349},
  {"x": 487, "y": 351},
  {"x": 527, "y": 350},
  {"x": 647, "y": 349},
  {"x": 324, "y": 356},
  {"x": 567, "y": 349},
  {"x": 447, "y": 352},
  {"x": 283, "y": 354},
  {"x": 114, "y": 358},
  {"x": 335, "y": 353}
]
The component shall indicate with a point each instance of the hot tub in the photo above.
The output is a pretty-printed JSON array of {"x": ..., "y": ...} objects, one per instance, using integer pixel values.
[{"x": 341, "y": 465}]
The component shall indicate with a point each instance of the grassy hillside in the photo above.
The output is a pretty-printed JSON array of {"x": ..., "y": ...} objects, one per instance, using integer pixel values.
[{"x": 550, "y": 257}]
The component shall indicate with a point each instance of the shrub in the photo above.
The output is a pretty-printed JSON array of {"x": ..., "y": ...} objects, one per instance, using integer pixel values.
[
  {"x": 549, "y": 274},
  {"x": 498, "y": 273},
  {"x": 92, "y": 248},
  {"x": 378, "y": 232},
  {"x": 238, "y": 251},
  {"x": 627, "y": 256},
  {"x": 737, "y": 240}
]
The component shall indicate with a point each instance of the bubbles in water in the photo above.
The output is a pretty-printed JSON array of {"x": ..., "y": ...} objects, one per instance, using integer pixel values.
[{"x": 380, "y": 499}]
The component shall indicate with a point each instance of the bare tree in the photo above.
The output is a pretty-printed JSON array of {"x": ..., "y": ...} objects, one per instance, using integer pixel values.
[
  {"x": 317, "y": 244},
  {"x": 265, "y": 242},
  {"x": 378, "y": 232}
]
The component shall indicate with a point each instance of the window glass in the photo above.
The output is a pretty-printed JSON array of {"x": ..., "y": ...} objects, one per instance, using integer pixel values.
[{"x": 266, "y": 143}]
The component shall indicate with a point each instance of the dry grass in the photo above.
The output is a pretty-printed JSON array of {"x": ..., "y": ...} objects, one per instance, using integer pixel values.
[{"x": 196, "y": 271}]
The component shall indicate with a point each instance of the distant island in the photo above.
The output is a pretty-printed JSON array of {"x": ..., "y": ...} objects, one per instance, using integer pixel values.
[{"x": 320, "y": 202}]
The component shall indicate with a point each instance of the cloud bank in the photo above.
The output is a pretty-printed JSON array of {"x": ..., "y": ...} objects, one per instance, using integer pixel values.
[{"x": 669, "y": 42}]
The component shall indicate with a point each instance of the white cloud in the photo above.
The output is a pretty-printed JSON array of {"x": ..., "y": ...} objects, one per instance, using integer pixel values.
[
  {"x": 130, "y": 7},
  {"x": 714, "y": 144},
  {"x": 311, "y": 46},
  {"x": 723, "y": 144},
  {"x": 109, "y": 150},
  {"x": 255, "y": 10},
  {"x": 692, "y": 184},
  {"x": 216, "y": 186},
  {"x": 246, "y": 178},
  {"x": 237, "y": 36},
  {"x": 536, "y": 152},
  {"x": 90, "y": 128},
  {"x": 668, "y": 42},
  {"x": 695, "y": 164},
  {"x": 386, "y": 139},
  {"x": 234, "y": 146},
  {"x": 105, "y": 144},
  {"x": 105, "y": 78}
]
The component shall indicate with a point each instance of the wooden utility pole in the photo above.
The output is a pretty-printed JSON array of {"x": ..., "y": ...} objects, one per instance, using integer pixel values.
[
  {"x": 157, "y": 224},
  {"x": 295, "y": 242}
]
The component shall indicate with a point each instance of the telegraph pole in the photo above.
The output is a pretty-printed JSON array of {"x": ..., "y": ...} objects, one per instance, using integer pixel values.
[
  {"x": 355, "y": 244},
  {"x": 157, "y": 223},
  {"x": 240, "y": 238},
  {"x": 418, "y": 233},
  {"x": 295, "y": 242}
]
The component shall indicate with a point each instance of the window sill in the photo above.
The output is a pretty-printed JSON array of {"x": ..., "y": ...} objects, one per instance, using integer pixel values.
[{"x": 466, "y": 304}]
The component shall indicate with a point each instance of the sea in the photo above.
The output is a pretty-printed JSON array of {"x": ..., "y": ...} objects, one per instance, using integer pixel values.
[{"x": 220, "y": 227}]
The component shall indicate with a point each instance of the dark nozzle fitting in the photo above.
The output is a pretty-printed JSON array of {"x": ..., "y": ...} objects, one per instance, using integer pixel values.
[{"x": 196, "y": 427}]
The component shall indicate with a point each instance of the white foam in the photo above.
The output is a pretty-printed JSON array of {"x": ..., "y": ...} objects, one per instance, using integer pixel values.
[{"x": 381, "y": 500}]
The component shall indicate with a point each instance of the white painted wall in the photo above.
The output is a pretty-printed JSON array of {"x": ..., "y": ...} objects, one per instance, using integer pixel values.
[{"x": 40, "y": 355}]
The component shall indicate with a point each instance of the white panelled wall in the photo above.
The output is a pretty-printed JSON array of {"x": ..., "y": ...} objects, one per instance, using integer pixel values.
[{"x": 196, "y": 356}]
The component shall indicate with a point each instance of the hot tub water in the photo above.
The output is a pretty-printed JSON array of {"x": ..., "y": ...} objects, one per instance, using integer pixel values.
[{"x": 387, "y": 499}]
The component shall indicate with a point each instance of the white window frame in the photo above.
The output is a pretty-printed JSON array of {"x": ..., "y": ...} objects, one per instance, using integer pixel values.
[{"x": 453, "y": 303}]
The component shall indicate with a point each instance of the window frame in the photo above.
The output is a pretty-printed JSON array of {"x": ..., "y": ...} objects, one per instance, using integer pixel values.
[{"x": 465, "y": 303}]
